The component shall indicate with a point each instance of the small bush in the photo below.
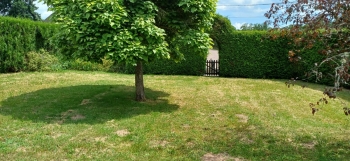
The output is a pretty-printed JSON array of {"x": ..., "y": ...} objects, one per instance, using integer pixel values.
[
  {"x": 41, "y": 61},
  {"x": 82, "y": 65}
]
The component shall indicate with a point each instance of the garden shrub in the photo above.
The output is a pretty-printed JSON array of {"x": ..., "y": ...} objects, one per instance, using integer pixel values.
[
  {"x": 41, "y": 61},
  {"x": 79, "y": 64}
]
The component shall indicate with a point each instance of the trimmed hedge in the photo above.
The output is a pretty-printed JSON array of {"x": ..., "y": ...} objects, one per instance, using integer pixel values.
[
  {"x": 250, "y": 54},
  {"x": 254, "y": 54},
  {"x": 20, "y": 36}
]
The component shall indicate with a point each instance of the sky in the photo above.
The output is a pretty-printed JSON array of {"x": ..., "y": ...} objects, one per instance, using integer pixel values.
[{"x": 238, "y": 11}]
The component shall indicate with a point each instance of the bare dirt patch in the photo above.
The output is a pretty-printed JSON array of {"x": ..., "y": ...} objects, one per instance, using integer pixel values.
[
  {"x": 186, "y": 126},
  {"x": 122, "y": 133},
  {"x": 190, "y": 144},
  {"x": 220, "y": 157},
  {"x": 310, "y": 145},
  {"x": 247, "y": 140},
  {"x": 123, "y": 145},
  {"x": 217, "y": 114},
  {"x": 158, "y": 143},
  {"x": 242, "y": 118},
  {"x": 77, "y": 117},
  {"x": 56, "y": 135},
  {"x": 101, "y": 95},
  {"x": 100, "y": 139},
  {"x": 21, "y": 149},
  {"x": 85, "y": 102},
  {"x": 69, "y": 114}
]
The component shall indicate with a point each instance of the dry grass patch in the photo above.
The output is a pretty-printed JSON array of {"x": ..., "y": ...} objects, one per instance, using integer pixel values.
[
  {"x": 310, "y": 145},
  {"x": 220, "y": 157},
  {"x": 242, "y": 118},
  {"x": 122, "y": 133},
  {"x": 77, "y": 117},
  {"x": 158, "y": 143},
  {"x": 85, "y": 102}
]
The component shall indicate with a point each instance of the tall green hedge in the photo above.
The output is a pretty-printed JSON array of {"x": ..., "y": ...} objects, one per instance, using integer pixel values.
[
  {"x": 251, "y": 54},
  {"x": 248, "y": 54},
  {"x": 255, "y": 54},
  {"x": 20, "y": 36}
]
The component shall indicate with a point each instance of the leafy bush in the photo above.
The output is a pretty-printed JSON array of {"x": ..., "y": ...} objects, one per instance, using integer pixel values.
[
  {"x": 221, "y": 26},
  {"x": 41, "y": 61},
  {"x": 82, "y": 65}
]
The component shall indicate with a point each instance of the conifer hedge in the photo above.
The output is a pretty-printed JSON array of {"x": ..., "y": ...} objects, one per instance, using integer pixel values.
[
  {"x": 20, "y": 36},
  {"x": 250, "y": 54},
  {"x": 255, "y": 54}
]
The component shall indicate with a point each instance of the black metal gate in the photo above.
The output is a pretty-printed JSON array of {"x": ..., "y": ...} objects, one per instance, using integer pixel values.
[{"x": 212, "y": 68}]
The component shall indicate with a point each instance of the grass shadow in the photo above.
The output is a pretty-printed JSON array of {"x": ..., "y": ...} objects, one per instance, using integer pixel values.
[{"x": 89, "y": 104}]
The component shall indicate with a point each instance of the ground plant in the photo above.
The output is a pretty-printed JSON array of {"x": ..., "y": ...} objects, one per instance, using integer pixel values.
[{"x": 76, "y": 115}]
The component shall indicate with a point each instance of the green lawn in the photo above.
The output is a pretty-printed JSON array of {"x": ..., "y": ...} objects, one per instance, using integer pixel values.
[{"x": 93, "y": 116}]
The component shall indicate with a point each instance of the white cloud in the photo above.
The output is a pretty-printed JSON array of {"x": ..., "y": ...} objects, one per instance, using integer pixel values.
[
  {"x": 238, "y": 25},
  {"x": 42, "y": 10},
  {"x": 46, "y": 14},
  {"x": 239, "y": 2},
  {"x": 241, "y": 11},
  {"x": 221, "y": 8}
]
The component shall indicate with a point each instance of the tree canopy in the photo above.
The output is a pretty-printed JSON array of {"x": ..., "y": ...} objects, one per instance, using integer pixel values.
[
  {"x": 19, "y": 8},
  {"x": 317, "y": 21},
  {"x": 133, "y": 31},
  {"x": 221, "y": 25}
]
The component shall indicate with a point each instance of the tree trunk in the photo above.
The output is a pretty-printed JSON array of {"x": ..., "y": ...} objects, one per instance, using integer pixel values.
[{"x": 140, "y": 90}]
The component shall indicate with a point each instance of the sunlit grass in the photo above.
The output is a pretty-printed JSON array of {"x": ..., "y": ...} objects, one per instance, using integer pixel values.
[{"x": 93, "y": 116}]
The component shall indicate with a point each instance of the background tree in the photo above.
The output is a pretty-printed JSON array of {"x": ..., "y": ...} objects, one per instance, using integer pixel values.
[
  {"x": 19, "y": 8},
  {"x": 256, "y": 26},
  {"x": 221, "y": 25},
  {"x": 133, "y": 31},
  {"x": 5, "y": 5},
  {"x": 317, "y": 21}
]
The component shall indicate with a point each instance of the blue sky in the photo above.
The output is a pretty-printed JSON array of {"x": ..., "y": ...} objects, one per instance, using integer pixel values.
[
  {"x": 244, "y": 11},
  {"x": 238, "y": 11}
]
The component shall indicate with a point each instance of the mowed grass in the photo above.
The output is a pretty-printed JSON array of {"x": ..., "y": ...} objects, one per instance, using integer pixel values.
[{"x": 93, "y": 116}]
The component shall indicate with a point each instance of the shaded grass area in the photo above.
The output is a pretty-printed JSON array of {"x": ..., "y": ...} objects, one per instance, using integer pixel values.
[
  {"x": 83, "y": 115},
  {"x": 98, "y": 103}
]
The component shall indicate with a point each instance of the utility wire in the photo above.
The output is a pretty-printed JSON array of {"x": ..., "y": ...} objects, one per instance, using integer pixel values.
[
  {"x": 238, "y": 5},
  {"x": 247, "y": 17},
  {"x": 242, "y": 5},
  {"x": 259, "y": 4}
]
